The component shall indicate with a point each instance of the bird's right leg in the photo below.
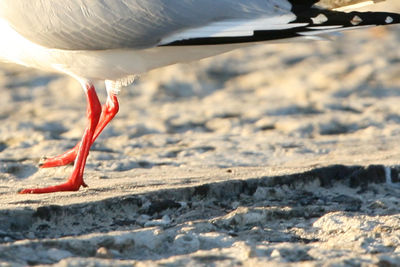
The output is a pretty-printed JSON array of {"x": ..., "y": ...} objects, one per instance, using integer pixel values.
[
  {"x": 75, "y": 181},
  {"x": 109, "y": 110}
]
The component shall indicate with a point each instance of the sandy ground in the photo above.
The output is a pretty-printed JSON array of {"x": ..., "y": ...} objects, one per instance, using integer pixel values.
[{"x": 275, "y": 154}]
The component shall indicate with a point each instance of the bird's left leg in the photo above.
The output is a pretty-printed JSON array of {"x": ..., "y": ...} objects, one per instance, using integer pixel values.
[
  {"x": 109, "y": 110},
  {"x": 76, "y": 179}
]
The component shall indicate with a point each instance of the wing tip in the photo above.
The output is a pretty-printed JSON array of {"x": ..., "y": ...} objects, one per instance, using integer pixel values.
[
  {"x": 309, "y": 20},
  {"x": 343, "y": 5}
]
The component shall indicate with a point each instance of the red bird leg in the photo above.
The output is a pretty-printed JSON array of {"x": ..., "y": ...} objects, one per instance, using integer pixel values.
[
  {"x": 110, "y": 109},
  {"x": 75, "y": 181}
]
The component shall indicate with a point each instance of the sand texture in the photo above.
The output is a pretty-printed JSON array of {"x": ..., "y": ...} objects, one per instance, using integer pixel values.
[{"x": 275, "y": 154}]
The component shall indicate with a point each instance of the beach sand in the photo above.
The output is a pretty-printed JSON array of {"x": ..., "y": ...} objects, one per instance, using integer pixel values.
[{"x": 275, "y": 154}]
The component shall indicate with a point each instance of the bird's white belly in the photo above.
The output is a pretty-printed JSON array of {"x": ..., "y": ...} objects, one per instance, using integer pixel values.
[
  {"x": 98, "y": 64},
  {"x": 117, "y": 64}
]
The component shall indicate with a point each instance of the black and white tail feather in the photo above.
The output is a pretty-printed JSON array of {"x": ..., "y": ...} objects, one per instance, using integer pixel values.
[{"x": 307, "y": 18}]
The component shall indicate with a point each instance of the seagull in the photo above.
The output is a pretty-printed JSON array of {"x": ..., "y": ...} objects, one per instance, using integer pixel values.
[{"x": 113, "y": 40}]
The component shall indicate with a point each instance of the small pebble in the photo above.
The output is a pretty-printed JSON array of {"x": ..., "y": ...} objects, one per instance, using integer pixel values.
[
  {"x": 165, "y": 221},
  {"x": 104, "y": 253}
]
